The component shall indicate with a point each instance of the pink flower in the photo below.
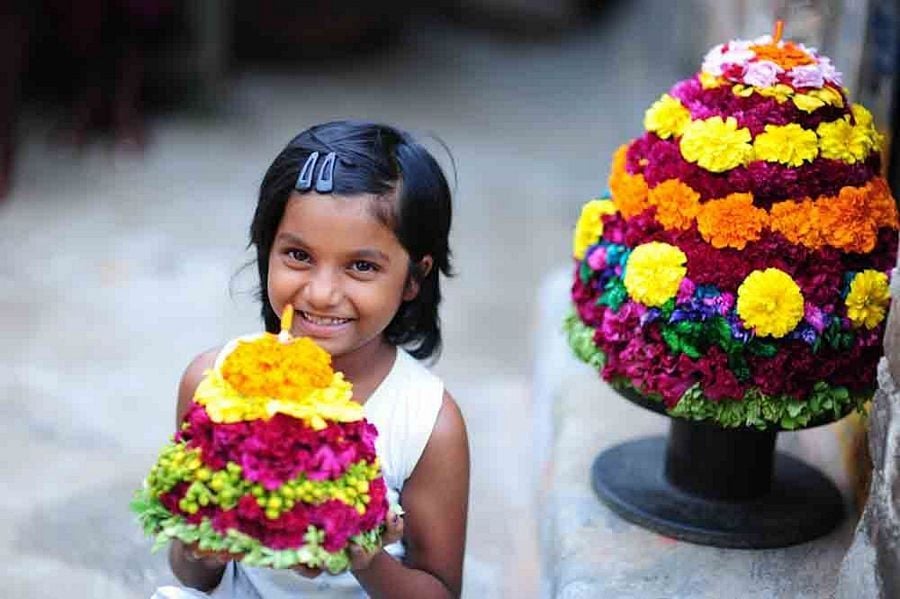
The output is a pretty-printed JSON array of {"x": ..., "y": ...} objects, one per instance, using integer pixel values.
[
  {"x": 686, "y": 291},
  {"x": 597, "y": 258}
]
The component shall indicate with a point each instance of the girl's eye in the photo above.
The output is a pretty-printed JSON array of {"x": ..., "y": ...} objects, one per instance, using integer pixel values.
[
  {"x": 364, "y": 266},
  {"x": 298, "y": 255}
]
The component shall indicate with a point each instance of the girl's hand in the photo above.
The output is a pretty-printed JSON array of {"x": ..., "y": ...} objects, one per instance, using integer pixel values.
[
  {"x": 210, "y": 559},
  {"x": 360, "y": 559}
]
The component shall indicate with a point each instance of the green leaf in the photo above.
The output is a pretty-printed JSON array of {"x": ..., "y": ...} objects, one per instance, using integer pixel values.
[
  {"x": 614, "y": 294},
  {"x": 585, "y": 273},
  {"x": 581, "y": 340},
  {"x": 762, "y": 348}
]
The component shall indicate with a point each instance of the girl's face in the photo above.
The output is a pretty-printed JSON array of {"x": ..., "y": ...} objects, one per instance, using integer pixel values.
[{"x": 342, "y": 270}]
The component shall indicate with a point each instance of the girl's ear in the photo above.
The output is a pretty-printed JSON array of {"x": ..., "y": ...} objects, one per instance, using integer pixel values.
[{"x": 419, "y": 271}]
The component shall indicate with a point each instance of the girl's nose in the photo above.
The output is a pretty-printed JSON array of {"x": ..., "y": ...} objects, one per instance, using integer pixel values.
[{"x": 322, "y": 289}]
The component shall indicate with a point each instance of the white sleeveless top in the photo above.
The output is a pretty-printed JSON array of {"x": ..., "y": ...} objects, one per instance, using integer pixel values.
[{"x": 404, "y": 409}]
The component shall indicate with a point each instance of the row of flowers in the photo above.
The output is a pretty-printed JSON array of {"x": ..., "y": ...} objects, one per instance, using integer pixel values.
[
  {"x": 658, "y": 160},
  {"x": 767, "y": 303},
  {"x": 180, "y": 465},
  {"x": 849, "y": 221},
  {"x": 755, "y": 107},
  {"x": 765, "y": 62},
  {"x": 274, "y": 451},
  {"x": 720, "y": 144},
  {"x": 314, "y": 536},
  {"x": 602, "y": 236},
  {"x": 338, "y": 520}
]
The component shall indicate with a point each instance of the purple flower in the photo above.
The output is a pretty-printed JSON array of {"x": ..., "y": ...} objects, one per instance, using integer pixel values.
[{"x": 814, "y": 316}]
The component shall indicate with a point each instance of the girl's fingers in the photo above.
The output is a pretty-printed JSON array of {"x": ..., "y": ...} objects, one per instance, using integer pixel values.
[
  {"x": 307, "y": 571},
  {"x": 393, "y": 531},
  {"x": 359, "y": 557}
]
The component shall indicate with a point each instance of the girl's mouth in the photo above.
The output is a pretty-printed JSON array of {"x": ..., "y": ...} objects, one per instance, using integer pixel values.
[{"x": 322, "y": 321}]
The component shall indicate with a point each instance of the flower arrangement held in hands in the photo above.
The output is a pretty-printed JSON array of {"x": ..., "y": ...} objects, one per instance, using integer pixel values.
[
  {"x": 273, "y": 462},
  {"x": 739, "y": 271}
]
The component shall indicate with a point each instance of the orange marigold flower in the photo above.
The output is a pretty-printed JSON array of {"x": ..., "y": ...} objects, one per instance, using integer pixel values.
[
  {"x": 845, "y": 223},
  {"x": 787, "y": 56},
  {"x": 629, "y": 192},
  {"x": 269, "y": 368},
  {"x": 797, "y": 221},
  {"x": 882, "y": 205},
  {"x": 731, "y": 221},
  {"x": 677, "y": 204}
]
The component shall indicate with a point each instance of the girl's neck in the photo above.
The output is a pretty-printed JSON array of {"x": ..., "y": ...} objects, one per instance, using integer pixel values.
[{"x": 366, "y": 367}]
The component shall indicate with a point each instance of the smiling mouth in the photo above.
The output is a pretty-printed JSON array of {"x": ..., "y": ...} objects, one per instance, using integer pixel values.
[{"x": 325, "y": 321}]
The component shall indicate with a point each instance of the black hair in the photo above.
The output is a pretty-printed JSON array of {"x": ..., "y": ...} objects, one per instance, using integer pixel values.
[{"x": 383, "y": 161}]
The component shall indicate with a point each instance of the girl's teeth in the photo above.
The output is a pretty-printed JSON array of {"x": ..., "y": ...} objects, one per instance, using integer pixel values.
[{"x": 323, "y": 320}]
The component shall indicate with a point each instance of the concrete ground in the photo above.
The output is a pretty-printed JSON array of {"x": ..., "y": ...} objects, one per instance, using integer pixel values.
[{"x": 117, "y": 271}]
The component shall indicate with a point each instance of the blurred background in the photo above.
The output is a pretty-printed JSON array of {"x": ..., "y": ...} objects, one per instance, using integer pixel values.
[{"x": 134, "y": 135}]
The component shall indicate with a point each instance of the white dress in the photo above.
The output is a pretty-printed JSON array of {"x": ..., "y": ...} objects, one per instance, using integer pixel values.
[{"x": 404, "y": 409}]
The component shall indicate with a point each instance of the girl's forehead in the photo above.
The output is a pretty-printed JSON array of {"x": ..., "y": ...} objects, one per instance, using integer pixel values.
[{"x": 336, "y": 220}]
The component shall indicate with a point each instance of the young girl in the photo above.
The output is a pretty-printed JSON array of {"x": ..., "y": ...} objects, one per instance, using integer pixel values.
[{"x": 351, "y": 229}]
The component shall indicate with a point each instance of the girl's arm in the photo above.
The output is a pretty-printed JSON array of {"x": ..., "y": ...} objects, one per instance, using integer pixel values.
[
  {"x": 436, "y": 501},
  {"x": 203, "y": 573}
]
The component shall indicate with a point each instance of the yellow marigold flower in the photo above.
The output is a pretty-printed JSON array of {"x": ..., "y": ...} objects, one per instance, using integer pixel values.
[
  {"x": 629, "y": 192},
  {"x": 770, "y": 302},
  {"x": 829, "y": 95},
  {"x": 666, "y": 117},
  {"x": 653, "y": 273},
  {"x": 817, "y": 98},
  {"x": 868, "y": 299},
  {"x": 861, "y": 115},
  {"x": 807, "y": 102},
  {"x": 743, "y": 91},
  {"x": 709, "y": 81},
  {"x": 716, "y": 145},
  {"x": 731, "y": 221},
  {"x": 839, "y": 140},
  {"x": 677, "y": 204},
  {"x": 590, "y": 225},
  {"x": 788, "y": 144},
  {"x": 781, "y": 92}
]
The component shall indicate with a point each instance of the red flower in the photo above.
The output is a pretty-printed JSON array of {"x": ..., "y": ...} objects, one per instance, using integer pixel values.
[
  {"x": 338, "y": 520},
  {"x": 717, "y": 380}
]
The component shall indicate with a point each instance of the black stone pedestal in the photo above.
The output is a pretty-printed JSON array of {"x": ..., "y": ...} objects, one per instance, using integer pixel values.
[{"x": 720, "y": 487}]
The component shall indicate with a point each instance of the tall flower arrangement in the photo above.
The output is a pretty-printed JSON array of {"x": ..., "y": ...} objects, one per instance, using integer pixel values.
[
  {"x": 738, "y": 271},
  {"x": 273, "y": 461}
]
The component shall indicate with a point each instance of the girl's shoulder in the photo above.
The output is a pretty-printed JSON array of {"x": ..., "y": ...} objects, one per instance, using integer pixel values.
[{"x": 192, "y": 376}]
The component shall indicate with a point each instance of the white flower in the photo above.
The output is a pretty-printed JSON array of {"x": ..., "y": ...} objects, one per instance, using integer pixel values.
[
  {"x": 830, "y": 74},
  {"x": 762, "y": 73},
  {"x": 717, "y": 58},
  {"x": 808, "y": 75}
]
